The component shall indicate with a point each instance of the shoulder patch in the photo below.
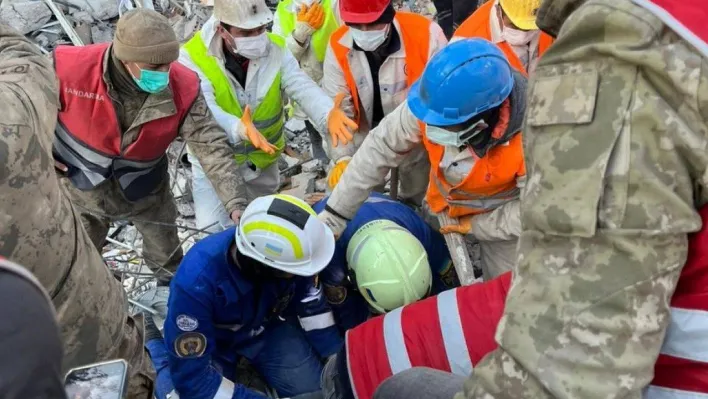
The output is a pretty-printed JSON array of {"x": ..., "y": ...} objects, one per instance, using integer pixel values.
[
  {"x": 186, "y": 323},
  {"x": 336, "y": 294},
  {"x": 190, "y": 344}
]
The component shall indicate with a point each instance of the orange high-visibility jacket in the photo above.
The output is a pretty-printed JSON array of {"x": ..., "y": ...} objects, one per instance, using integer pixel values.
[{"x": 477, "y": 25}]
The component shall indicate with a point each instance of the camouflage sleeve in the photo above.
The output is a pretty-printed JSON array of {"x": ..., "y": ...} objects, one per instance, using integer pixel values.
[
  {"x": 208, "y": 141},
  {"x": 616, "y": 149}
]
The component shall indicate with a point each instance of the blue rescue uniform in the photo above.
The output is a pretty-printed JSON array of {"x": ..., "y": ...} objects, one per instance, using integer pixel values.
[
  {"x": 284, "y": 327},
  {"x": 351, "y": 310}
]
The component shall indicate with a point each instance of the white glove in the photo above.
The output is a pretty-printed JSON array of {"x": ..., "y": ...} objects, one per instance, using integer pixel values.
[
  {"x": 334, "y": 222},
  {"x": 302, "y": 33}
]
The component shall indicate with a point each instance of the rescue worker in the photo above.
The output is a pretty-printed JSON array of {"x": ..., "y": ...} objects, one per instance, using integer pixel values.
[
  {"x": 307, "y": 26},
  {"x": 467, "y": 110},
  {"x": 134, "y": 91},
  {"x": 243, "y": 71},
  {"x": 387, "y": 257},
  {"x": 511, "y": 25},
  {"x": 40, "y": 229},
  {"x": 234, "y": 296},
  {"x": 455, "y": 330},
  {"x": 615, "y": 142},
  {"x": 374, "y": 59}
]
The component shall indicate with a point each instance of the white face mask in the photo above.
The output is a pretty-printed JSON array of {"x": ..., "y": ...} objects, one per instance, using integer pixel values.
[
  {"x": 370, "y": 40},
  {"x": 448, "y": 138},
  {"x": 517, "y": 37},
  {"x": 252, "y": 47}
]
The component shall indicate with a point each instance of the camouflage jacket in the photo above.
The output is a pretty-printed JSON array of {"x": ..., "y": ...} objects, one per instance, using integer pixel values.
[
  {"x": 616, "y": 147},
  {"x": 33, "y": 212}
]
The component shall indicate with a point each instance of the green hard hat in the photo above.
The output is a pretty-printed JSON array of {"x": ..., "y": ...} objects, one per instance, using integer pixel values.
[{"x": 390, "y": 265}]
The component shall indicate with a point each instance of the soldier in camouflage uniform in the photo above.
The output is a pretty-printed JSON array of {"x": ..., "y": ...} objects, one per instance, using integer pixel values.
[
  {"x": 40, "y": 229},
  {"x": 95, "y": 184},
  {"x": 616, "y": 148}
]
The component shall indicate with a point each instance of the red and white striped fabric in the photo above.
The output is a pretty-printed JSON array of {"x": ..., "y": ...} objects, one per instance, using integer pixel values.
[
  {"x": 681, "y": 371},
  {"x": 464, "y": 333},
  {"x": 408, "y": 337},
  {"x": 685, "y": 17}
]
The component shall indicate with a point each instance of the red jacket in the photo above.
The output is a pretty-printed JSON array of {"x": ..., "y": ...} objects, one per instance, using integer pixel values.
[
  {"x": 455, "y": 330},
  {"x": 88, "y": 134}
]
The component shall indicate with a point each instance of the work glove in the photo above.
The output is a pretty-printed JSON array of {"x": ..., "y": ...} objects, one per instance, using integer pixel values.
[
  {"x": 339, "y": 124},
  {"x": 253, "y": 136},
  {"x": 463, "y": 227},
  {"x": 309, "y": 20},
  {"x": 336, "y": 173},
  {"x": 334, "y": 222},
  {"x": 313, "y": 16}
]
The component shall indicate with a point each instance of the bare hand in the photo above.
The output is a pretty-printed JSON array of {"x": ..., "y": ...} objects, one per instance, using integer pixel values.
[{"x": 236, "y": 216}]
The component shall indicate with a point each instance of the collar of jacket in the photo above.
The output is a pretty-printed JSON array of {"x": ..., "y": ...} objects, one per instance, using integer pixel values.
[
  {"x": 155, "y": 106},
  {"x": 553, "y": 13},
  {"x": 517, "y": 100}
]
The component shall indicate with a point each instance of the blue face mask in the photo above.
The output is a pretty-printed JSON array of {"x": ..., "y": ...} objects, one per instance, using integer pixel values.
[
  {"x": 449, "y": 138},
  {"x": 152, "y": 81}
]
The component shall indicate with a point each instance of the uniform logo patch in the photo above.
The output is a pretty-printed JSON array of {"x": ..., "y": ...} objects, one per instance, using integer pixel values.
[
  {"x": 448, "y": 276},
  {"x": 186, "y": 323},
  {"x": 336, "y": 294},
  {"x": 190, "y": 344}
]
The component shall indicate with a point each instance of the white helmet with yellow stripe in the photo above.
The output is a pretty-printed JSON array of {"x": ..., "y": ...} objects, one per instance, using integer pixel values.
[{"x": 283, "y": 232}]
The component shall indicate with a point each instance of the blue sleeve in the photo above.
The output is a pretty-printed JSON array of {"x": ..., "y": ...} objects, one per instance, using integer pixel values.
[
  {"x": 316, "y": 317},
  {"x": 190, "y": 339}
]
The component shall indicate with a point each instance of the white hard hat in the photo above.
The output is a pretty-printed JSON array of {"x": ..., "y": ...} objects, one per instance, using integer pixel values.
[
  {"x": 283, "y": 232},
  {"x": 390, "y": 265},
  {"x": 243, "y": 14}
]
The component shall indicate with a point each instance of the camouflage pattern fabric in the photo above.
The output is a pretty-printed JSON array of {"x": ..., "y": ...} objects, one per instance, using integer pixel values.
[
  {"x": 106, "y": 203},
  {"x": 40, "y": 230},
  {"x": 616, "y": 146}
]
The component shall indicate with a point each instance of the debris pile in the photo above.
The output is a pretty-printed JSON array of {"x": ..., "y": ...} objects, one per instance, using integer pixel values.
[{"x": 50, "y": 23}]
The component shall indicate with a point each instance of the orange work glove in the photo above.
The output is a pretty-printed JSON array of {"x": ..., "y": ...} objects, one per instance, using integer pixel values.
[
  {"x": 312, "y": 16},
  {"x": 336, "y": 173},
  {"x": 339, "y": 124},
  {"x": 254, "y": 136},
  {"x": 464, "y": 227}
]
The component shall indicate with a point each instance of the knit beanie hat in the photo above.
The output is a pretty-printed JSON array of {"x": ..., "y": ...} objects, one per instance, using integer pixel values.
[{"x": 145, "y": 36}]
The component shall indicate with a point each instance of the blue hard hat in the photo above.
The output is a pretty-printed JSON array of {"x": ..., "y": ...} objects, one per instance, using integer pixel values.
[{"x": 464, "y": 79}]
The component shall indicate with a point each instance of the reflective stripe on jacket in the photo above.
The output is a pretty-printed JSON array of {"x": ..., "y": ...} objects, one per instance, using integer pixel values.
[
  {"x": 88, "y": 134},
  {"x": 477, "y": 25},
  {"x": 455, "y": 330},
  {"x": 320, "y": 38},
  {"x": 447, "y": 332},
  {"x": 268, "y": 117}
]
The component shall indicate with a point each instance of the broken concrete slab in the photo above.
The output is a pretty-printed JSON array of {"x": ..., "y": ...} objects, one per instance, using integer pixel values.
[
  {"x": 25, "y": 16},
  {"x": 99, "y": 9},
  {"x": 313, "y": 166},
  {"x": 102, "y": 33},
  {"x": 321, "y": 185},
  {"x": 301, "y": 185}
]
